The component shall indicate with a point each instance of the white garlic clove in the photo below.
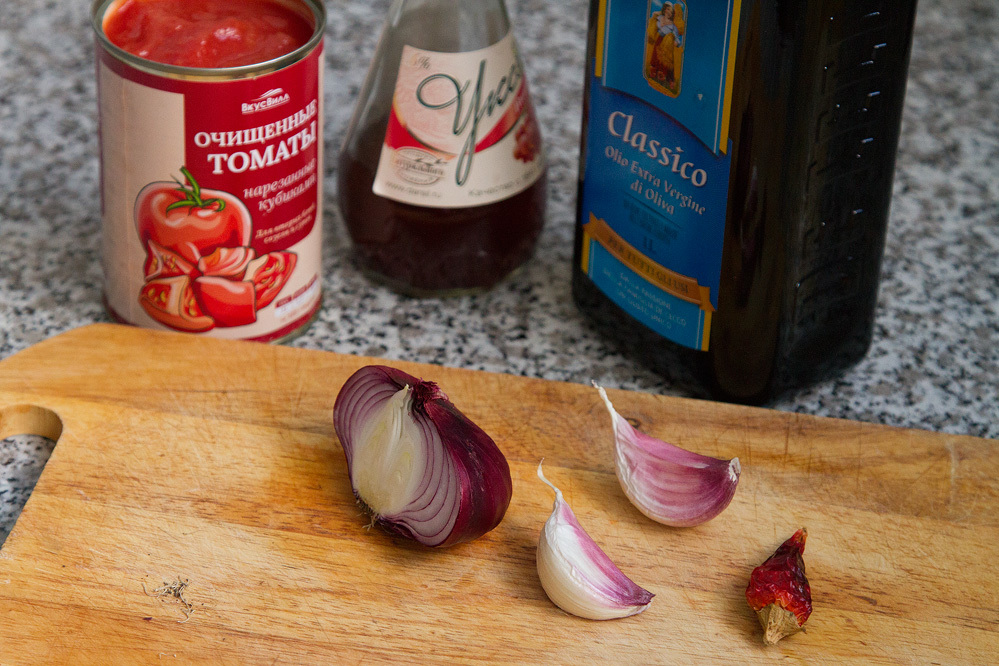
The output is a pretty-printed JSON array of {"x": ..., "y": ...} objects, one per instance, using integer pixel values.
[
  {"x": 668, "y": 484},
  {"x": 577, "y": 575}
]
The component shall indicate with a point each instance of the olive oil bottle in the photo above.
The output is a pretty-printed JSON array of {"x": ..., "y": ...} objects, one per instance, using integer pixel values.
[{"x": 735, "y": 178}]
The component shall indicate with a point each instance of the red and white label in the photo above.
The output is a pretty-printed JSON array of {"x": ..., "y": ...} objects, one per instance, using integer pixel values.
[
  {"x": 462, "y": 130},
  {"x": 212, "y": 199}
]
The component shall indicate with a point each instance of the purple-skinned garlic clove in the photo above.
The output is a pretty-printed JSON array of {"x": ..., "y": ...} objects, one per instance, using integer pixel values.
[
  {"x": 577, "y": 575},
  {"x": 668, "y": 484}
]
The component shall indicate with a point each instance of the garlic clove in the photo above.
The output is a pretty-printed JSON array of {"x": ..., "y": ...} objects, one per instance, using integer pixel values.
[
  {"x": 668, "y": 484},
  {"x": 577, "y": 575}
]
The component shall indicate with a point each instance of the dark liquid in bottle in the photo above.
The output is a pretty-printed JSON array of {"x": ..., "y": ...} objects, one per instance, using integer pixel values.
[
  {"x": 815, "y": 120},
  {"x": 422, "y": 250}
]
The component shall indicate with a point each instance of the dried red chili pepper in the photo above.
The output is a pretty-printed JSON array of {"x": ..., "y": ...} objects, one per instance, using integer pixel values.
[{"x": 778, "y": 590}]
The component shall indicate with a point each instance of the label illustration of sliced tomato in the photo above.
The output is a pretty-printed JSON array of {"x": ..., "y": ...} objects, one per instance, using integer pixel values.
[
  {"x": 230, "y": 262},
  {"x": 269, "y": 274},
  {"x": 161, "y": 262},
  {"x": 229, "y": 302},
  {"x": 190, "y": 221},
  {"x": 171, "y": 302}
]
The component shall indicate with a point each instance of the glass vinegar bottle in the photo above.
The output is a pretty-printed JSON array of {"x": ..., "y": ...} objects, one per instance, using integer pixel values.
[{"x": 442, "y": 173}]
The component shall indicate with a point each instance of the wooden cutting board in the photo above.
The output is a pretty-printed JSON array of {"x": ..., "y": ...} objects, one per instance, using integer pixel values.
[{"x": 214, "y": 463}]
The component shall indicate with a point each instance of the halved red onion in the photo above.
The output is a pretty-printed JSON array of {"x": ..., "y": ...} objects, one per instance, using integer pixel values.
[
  {"x": 668, "y": 484},
  {"x": 416, "y": 463}
]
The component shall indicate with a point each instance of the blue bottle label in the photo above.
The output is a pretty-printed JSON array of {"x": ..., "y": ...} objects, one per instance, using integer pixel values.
[{"x": 657, "y": 160}]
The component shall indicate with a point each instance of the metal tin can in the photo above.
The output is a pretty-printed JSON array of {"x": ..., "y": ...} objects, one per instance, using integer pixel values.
[{"x": 241, "y": 257}]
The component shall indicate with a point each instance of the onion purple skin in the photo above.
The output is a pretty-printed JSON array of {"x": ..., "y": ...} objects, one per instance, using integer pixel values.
[{"x": 484, "y": 486}]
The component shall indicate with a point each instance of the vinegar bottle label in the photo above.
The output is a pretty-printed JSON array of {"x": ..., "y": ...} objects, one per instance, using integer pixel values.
[
  {"x": 462, "y": 131},
  {"x": 657, "y": 159}
]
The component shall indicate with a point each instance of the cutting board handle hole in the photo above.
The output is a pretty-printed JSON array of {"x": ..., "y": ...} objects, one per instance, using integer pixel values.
[
  {"x": 28, "y": 434},
  {"x": 29, "y": 420}
]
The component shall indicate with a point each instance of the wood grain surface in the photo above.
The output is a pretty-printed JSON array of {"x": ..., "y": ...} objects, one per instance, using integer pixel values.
[{"x": 214, "y": 463}]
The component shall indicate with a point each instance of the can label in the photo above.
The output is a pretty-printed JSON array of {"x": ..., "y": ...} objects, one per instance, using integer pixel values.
[
  {"x": 657, "y": 161},
  {"x": 211, "y": 195},
  {"x": 462, "y": 130}
]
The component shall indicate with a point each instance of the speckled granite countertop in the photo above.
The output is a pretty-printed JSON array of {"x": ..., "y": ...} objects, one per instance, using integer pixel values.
[{"x": 934, "y": 363}]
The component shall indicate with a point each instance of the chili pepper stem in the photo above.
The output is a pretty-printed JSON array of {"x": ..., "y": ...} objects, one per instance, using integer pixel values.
[
  {"x": 779, "y": 592},
  {"x": 777, "y": 623}
]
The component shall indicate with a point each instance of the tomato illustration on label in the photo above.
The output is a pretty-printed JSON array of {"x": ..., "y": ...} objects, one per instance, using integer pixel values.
[
  {"x": 171, "y": 302},
  {"x": 189, "y": 221},
  {"x": 230, "y": 262},
  {"x": 231, "y": 302},
  {"x": 269, "y": 273},
  {"x": 161, "y": 262},
  {"x": 200, "y": 271}
]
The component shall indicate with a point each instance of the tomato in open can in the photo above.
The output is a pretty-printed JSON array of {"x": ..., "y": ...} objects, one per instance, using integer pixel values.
[{"x": 211, "y": 164}]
